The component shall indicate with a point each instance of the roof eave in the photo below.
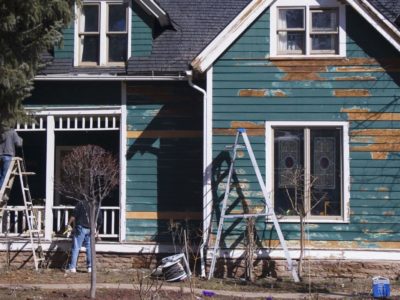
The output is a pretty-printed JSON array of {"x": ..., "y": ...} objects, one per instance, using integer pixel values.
[
  {"x": 386, "y": 28},
  {"x": 230, "y": 33},
  {"x": 152, "y": 8},
  {"x": 226, "y": 37}
]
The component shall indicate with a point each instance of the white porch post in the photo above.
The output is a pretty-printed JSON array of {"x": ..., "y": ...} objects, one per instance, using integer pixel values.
[
  {"x": 48, "y": 227},
  {"x": 122, "y": 164}
]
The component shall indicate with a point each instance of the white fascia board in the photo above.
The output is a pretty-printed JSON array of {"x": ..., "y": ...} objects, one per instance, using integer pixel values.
[
  {"x": 227, "y": 36},
  {"x": 366, "y": 15},
  {"x": 381, "y": 17},
  {"x": 67, "y": 77}
]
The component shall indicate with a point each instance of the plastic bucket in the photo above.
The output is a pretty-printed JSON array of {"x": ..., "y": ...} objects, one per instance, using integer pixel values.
[{"x": 380, "y": 287}]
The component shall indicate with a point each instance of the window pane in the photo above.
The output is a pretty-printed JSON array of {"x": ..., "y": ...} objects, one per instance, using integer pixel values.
[
  {"x": 288, "y": 170},
  {"x": 291, "y": 19},
  {"x": 324, "y": 20},
  {"x": 326, "y": 172},
  {"x": 291, "y": 42},
  {"x": 324, "y": 42},
  {"x": 90, "y": 48},
  {"x": 116, "y": 18},
  {"x": 90, "y": 18},
  {"x": 117, "y": 48}
]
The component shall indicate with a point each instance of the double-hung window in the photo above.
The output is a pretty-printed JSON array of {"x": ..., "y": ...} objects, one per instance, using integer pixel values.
[
  {"x": 316, "y": 28},
  {"x": 307, "y": 169},
  {"x": 102, "y": 35}
]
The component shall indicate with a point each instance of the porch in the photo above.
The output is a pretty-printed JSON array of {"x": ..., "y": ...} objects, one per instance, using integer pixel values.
[
  {"x": 47, "y": 139},
  {"x": 15, "y": 221}
]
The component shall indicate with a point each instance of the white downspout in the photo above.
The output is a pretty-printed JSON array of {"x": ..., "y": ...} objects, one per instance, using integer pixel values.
[{"x": 206, "y": 173}]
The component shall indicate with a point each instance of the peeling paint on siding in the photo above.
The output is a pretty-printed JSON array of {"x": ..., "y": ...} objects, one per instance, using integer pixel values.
[
  {"x": 373, "y": 132},
  {"x": 379, "y": 155},
  {"x": 232, "y": 132},
  {"x": 253, "y": 93},
  {"x": 261, "y": 93},
  {"x": 351, "y": 93},
  {"x": 355, "y": 78},
  {"x": 164, "y": 134},
  {"x": 304, "y": 73},
  {"x": 246, "y": 124}
]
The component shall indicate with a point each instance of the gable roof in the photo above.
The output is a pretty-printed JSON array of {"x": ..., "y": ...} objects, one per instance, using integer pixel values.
[
  {"x": 376, "y": 12},
  {"x": 203, "y": 29},
  {"x": 195, "y": 23}
]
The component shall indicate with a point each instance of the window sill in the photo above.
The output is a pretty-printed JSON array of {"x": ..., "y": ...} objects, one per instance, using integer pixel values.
[
  {"x": 306, "y": 57},
  {"x": 339, "y": 220}
]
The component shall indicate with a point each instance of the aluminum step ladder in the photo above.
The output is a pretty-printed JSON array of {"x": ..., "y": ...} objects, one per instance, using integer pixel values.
[
  {"x": 17, "y": 169},
  {"x": 268, "y": 206}
]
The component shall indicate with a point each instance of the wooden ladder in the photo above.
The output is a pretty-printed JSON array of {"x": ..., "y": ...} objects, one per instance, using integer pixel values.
[{"x": 17, "y": 169}]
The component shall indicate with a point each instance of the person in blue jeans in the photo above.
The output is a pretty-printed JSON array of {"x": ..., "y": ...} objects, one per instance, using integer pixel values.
[
  {"x": 81, "y": 235},
  {"x": 9, "y": 139}
]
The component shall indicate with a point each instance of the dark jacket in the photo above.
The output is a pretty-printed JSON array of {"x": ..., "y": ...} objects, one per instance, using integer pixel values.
[{"x": 81, "y": 214}]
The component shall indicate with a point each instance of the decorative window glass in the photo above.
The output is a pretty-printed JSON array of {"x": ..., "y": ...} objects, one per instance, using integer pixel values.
[
  {"x": 103, "y": 32},
  {"x": 307, "y": 168},
  {"x": 316, "y": 28}
]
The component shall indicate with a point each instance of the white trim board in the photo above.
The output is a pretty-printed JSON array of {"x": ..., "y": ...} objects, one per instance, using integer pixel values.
[
  {"x": 230, "y": 33},
  {"x": 365, "y": 14},
  {"x": 137, "y": 248},
  {"x": 247, "y": 16}
]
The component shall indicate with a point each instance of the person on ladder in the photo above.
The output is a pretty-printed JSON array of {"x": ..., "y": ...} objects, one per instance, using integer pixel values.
[{"x": 9, "y": 139}]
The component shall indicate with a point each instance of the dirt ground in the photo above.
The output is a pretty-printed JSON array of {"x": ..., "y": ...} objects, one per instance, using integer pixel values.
[{"x": 25, "y": 284}]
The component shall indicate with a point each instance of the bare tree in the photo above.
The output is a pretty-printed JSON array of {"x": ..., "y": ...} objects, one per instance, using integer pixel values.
[
  {"x": 89, "y": 175},
  {"x": 298, "y": 191}
]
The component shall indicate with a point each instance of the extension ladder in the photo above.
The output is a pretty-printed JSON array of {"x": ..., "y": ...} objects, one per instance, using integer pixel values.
[
  {"x": 17, "y": 169},
  {"x": 269, "y": 208}
]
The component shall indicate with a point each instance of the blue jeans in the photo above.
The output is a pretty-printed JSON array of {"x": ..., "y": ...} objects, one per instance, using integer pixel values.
[
  {"x": 81, "y": 237},
  {"x": 6, "y": 160}
]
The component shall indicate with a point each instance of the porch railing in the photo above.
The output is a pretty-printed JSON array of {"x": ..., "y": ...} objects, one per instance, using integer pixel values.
[{"x": 14, "y": 219}]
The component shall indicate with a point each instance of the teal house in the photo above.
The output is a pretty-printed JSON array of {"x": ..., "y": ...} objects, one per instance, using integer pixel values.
[{"x": 164, "y": 85}]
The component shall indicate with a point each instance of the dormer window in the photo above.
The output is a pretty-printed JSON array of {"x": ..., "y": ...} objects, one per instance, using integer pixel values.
[
  {"x": 313, "y": 29},
  {"x": 102, "y": 33}
]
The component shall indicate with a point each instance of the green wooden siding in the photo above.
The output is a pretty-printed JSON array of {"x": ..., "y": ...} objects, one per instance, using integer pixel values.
[
  {"x": 142, "y": 34},
  {"x": 248, "y": 87},
  {"x": 66, "y": 49},
  {"x": 164, "y": 159}
]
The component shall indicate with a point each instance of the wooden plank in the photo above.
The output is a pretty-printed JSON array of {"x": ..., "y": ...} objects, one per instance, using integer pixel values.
[
  {"x": 134, "y": 134},
  {"x": 167, "y": 215},
  {"x": 351, "y": 93}
]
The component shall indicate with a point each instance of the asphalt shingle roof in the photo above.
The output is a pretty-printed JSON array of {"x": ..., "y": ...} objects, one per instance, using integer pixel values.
[
  {"x": 196, "y": 23},
  {"x": 389, "y": 8}
]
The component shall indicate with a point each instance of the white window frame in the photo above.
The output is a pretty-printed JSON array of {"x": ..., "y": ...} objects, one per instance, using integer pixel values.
[
  {"x": 269, "y": 141},
  {"x": 103, "y": 32},
  {"x": 308, "y": 5}
]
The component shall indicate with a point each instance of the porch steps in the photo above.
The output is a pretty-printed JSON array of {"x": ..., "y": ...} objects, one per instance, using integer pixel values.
[
  {"x": 269, "y": 209},
  {"x": 17, "y": 169}
]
